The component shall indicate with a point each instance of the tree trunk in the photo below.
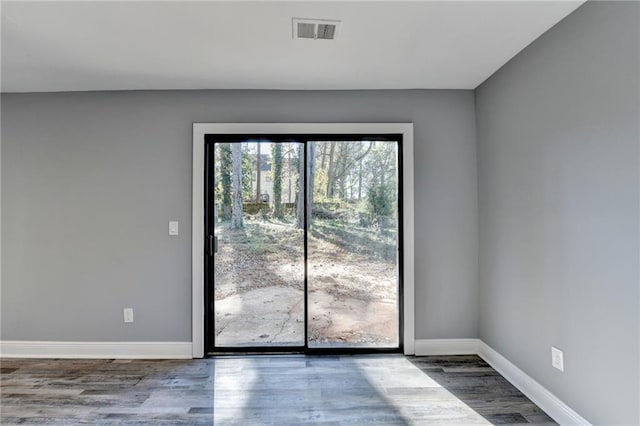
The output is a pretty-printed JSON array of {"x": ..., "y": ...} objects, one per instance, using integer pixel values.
[
  {"x": 258, "y": 172},
  {"x": 309, "y": 176},
  {"x": 225, "y": 179},
  {"x": 331, "y": 172},
  {"x": 311, "y": 167},
  {"x": 300, "y": 195},
  {"x": 360, "y": 180},
  {"x": 323, "y": 156},
  {"x": 289, "y": 176},
  {"x": 276, "y": 170},
  {"x": 236, "y": 213}
]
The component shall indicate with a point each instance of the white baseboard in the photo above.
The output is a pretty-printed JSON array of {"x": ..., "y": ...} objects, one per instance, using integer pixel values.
[
  {"x": 446, "y": 346},
  {"x": 537, "y": 393},
  {"x": 551, "y": 404},
  {"x": 132, "y": 350}
]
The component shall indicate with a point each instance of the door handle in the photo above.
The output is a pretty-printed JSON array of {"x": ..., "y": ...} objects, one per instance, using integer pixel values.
[
  {"x": 210, "y": 238},
  {"x": 212, "y": 244}
]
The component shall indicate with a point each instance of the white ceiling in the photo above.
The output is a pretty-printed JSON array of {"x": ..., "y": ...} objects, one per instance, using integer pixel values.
[{"x": 74, "y": 46}]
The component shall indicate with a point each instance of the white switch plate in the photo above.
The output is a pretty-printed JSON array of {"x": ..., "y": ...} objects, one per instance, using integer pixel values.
[
  {"x": 557, "y": 358},
  {"x": 173, "y": 227},
  {"x": 128, "y": 315}
]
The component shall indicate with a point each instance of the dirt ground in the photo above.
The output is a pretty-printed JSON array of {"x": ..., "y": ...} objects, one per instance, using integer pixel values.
[{"x": 259, "y": 288}]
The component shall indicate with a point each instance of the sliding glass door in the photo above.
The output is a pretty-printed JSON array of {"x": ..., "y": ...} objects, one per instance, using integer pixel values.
[
  {"x": 353, "y": 281},
  {"x": 302, "y": 243},
  {"x": 258, "y": 268}
]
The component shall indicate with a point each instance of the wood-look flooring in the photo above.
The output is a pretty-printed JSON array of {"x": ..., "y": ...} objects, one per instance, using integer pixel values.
[{"x": 273, "y": 390}]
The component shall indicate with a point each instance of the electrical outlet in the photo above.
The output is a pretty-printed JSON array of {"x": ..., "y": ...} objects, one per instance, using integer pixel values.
[
  {"x": 557, "y": 358},
  {"x": 128, "y": 315}
]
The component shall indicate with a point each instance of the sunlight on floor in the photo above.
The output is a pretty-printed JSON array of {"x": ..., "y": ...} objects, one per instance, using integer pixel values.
[
  {"x": 411, "y": 391},
  {"x": 362, "y": 389},
  {"x": 226, "y": 383}
]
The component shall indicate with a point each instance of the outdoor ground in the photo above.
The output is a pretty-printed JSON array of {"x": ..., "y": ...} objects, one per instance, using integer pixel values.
[{"x": 259, "y": 285}]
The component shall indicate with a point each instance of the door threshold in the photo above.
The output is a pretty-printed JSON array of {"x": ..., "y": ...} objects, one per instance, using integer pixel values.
[
  {"x": 309, "y": 352},
  {"x": 253, "y": 353}
]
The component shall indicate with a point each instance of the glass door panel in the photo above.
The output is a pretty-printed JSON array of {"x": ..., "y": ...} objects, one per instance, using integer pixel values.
[
  {"x": 258, "y": 274},
  {"x": 352, "y": 255}
]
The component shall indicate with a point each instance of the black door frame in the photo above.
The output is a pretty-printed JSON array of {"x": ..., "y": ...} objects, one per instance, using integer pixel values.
[{"x": 209, "y": 230}]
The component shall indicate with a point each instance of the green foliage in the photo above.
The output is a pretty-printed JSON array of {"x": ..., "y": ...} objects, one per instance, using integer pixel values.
[
  {"x": 237, "y": 221},
  {"x": 224, "y": 182},
  {"x": 380, "y": 203},
  {"x": 248, "y": 162}
]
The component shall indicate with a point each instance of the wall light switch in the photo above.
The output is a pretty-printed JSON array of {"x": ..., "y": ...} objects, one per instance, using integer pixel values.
[
  {"x": 173, "y": 227},
  {"x": 557, "y": 358},
  {"x": 128, "y": 315}
]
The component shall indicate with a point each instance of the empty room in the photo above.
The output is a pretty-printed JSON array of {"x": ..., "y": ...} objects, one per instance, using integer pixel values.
[{"x": 320, "y": 212}]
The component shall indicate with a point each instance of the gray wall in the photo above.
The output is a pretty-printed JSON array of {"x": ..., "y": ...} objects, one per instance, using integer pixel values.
[
  {"x": 89, "y": 181},
  {"x": 558, "y": 189}
]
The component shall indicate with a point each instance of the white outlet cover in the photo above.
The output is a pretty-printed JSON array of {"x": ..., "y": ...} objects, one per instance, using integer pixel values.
[
  {"x": 128, "y": 315},
  {"x": 557, "y": 358}
]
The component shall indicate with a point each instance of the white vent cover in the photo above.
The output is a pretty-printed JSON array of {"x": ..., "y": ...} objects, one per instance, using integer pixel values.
[{"x": 315, "y": 29}]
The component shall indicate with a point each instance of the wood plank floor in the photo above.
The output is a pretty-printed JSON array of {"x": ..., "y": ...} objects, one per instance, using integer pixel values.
[{"x": 274, "y": 390}]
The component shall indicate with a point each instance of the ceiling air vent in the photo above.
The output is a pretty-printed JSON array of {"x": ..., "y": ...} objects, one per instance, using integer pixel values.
[{"x": 315, "y": 29}]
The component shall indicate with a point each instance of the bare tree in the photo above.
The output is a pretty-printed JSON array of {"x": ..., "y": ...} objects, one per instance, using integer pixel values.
[
  {"x": 344, "y": 158},
  {"x": 289, "y": 173},
  {"x": 311, "y": 169},
  {"x": 323, "y": 155},
  {"x": 236, "y": 214},
  {"x": 300, "y": 195},
  {"x": 226, "y": 169},
  {"x": 258, "y": 171},
  {"x": 360, "y": 179},
  {"x": 331, "y": 172},
  {"x": 349, "y": 159},
  {"x": 276, "y": 172}
]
